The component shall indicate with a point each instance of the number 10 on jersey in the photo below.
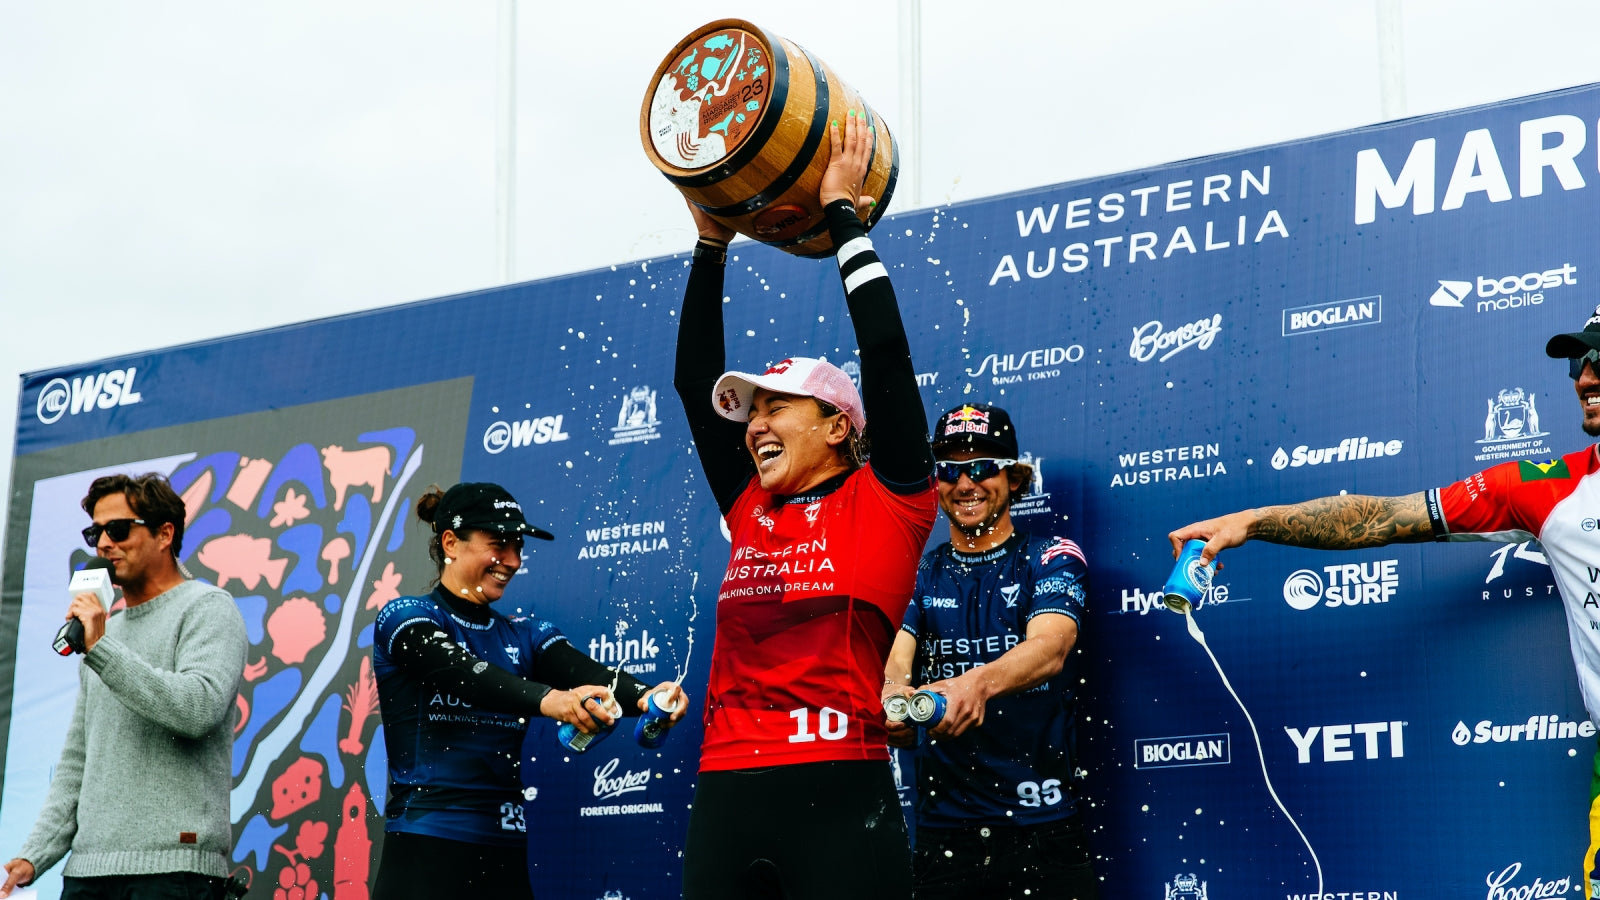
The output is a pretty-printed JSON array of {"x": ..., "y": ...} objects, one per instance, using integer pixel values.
[{"x": 831, "y": 725}]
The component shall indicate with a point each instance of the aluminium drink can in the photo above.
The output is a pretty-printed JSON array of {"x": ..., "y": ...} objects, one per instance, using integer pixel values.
[
  {"x": 653, "y": 727},
  {"x": 578, "y": 742},
  {"x": 897, "y": 708},
  {"x": 1190, "y": 578},
  {"x": 927, "y": 708}
]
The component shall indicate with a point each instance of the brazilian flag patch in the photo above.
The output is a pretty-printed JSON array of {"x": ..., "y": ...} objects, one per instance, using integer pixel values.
[{"x": 1539, "y": 471}]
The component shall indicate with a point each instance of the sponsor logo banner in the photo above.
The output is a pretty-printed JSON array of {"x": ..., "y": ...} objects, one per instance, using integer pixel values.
[
  {"x": 509, "y": 434},
  {"x": 102, "y": 390},
  {"x": 1511, "y": 427},
  {"x": 1186, "y": 750},
  {"x": 1536, "y": 728},
  {"x": 636, "y": 420},
  {"x": 1152, "y": 341},
  {"x": 1343, "y": 743},
  {"x": 1139, "y": 467},
  {"x": 1319, "y": 317},
  {"x": 1492, "y": 294},
  {"x": 1346, "y": 584},
  {"x": 1349, "y": 449}
]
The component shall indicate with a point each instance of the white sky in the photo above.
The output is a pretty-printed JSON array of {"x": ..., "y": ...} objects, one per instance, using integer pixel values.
[{"x": 174, "y": 171}]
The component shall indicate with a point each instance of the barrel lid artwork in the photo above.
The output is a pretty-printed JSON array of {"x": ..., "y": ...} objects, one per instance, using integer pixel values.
[{"x": 710, "y": 97}]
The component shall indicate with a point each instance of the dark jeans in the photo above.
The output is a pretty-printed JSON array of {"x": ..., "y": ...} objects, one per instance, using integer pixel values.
[
  {"x": 1038, "y": 862},
  {"x": 166, "y": 886},
  {"x": 421, "y": 867}
]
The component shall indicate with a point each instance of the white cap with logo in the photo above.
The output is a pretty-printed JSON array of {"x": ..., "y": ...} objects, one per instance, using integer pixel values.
[{"x": 799, "y": 376}]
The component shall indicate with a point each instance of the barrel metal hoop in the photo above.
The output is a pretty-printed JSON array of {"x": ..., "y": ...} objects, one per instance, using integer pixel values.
[
  {"x": 802, "y": 159},
  {"x": 811, "y": 235},
  {"x": 894, "y": 173},
  {"x": 776, "y": 100}
]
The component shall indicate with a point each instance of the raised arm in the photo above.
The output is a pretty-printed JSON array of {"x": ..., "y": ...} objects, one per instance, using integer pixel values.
[
  {"x": 702, "y": 358},
  {"x": 1343, "y": 522},
  {"x": 893, "y": 405}
]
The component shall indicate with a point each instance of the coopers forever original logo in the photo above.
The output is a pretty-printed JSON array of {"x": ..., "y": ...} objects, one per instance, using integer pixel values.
[{"x": 103, "y": 390}]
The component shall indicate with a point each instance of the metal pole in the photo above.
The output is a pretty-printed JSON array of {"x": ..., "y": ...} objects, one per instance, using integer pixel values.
[
  {"x": 505, "y": 157},
  {"x": 910, "y": 126},
  {"x": 1391, "y": 60}
]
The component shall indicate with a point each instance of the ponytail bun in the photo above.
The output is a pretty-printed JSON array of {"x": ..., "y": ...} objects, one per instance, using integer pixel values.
[{"x": 428, "y": 504}]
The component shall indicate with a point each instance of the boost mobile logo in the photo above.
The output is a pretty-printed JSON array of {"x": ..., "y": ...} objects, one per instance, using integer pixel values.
[
  {"x": 1509, "y": 292},
  {"x": 103, "y": 391}
]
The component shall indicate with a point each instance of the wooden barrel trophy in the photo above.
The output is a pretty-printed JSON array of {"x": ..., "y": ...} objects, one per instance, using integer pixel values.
[{"x": 737, "y": 118}]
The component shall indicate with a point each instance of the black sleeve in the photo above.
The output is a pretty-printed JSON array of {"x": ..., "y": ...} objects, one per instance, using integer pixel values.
[
  {"x": 565, "y": 666},
  {"x": 702, "y": 358},
  {"x": 426, "y": 652},
  {"x": 896, "y": 423}
]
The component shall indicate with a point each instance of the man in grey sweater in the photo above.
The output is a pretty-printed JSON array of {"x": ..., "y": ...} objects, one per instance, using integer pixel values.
[{"x": 140, "y": 794}]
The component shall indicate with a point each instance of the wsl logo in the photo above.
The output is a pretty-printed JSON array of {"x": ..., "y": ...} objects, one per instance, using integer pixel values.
[
  {"x": 501, "y": 435},
  {"x": 104, "y": 390}
]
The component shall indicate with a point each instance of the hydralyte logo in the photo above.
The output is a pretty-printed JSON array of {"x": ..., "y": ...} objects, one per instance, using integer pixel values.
[
  {"x": 1349, "y": 584},
  {"x": 1150, "y": 338},
  {"x": 103, "y": 390},
  {"x": 1508, "y": 292}
]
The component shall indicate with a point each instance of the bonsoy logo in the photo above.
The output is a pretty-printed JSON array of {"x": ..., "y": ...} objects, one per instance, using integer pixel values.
[
  {"x": 103, "y": 390},
  {"x": 1150, "y": 338}
]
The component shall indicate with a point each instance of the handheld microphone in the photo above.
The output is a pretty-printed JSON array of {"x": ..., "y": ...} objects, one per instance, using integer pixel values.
[{"x": 94, "y": 578}]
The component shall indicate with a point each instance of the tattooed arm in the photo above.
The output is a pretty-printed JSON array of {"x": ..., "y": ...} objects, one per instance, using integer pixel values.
[{"x": 1344, "y": 522}]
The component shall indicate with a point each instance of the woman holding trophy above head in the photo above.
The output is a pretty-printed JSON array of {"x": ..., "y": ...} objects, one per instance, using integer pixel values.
[{"x": 796, "y": 796}]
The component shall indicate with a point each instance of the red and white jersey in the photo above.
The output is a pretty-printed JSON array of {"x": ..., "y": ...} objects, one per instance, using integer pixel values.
[
  {"x": 1555, "y": 502},
  {"x": 814, "y": 593}
]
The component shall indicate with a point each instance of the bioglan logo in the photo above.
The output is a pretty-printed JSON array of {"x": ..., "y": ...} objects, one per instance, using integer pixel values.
[
  {"x": 1349, "y": 584},
  {"x": 1150, "y": 338},
  {"x": 502, "y": 435},
  {"x": 1185, "y": 750},
  {"x": 1508, "y": 292},
  {"x": 1336, "y": 741},
  {"x": 1348, "y": 450},
  {"x": 103, "y": 390},
  {"x": 1329, "y": 316},
  {"x": 1537, "y": 728}
]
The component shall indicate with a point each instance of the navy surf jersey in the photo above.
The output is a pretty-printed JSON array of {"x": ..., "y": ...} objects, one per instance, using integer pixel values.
[
  {"x": 453, "y": 766},
  {"x": 969, "y": 609}
]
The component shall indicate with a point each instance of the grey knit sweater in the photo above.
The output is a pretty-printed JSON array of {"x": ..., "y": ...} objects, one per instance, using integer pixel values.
[{"x": 142, "y": 784}]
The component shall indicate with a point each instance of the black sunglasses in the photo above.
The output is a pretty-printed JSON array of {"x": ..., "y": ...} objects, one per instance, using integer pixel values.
[
  {"x": 117, "y": 528},
  {"x": 1575, "y": 365},
  {"x": 975, "y": 469}
]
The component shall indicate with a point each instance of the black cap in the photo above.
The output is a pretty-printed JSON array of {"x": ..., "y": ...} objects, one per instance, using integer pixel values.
[
  {"x": 983, "y": 427},
  {"x": 1575, "y": 344},
  {"x": 486, "y": 507}
]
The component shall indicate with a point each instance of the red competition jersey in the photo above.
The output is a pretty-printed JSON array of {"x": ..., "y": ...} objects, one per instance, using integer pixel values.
[
  {"x": 815, "y": 590},
  {"x": 1556, "y": 502}
]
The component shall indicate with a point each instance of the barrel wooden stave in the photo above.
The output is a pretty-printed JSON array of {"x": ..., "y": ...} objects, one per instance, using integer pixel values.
[{"x": 771, "y": 195}]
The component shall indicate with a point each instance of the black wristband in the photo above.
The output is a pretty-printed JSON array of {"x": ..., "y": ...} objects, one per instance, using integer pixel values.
[{"x": 705, "y": 250}]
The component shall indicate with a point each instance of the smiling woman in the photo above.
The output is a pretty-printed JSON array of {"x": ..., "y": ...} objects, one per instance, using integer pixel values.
[
  {"x": 825, "y": 548},
  {"x": 458, "y": 681}
]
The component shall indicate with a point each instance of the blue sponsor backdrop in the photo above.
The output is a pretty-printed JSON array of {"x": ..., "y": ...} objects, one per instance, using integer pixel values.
[{"x": 1362, "y": 312}]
